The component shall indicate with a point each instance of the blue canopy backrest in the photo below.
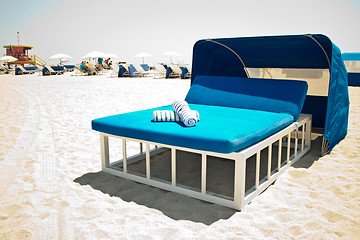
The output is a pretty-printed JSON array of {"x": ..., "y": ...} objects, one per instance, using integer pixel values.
[
  {"x": 232, "y": 57},
  {"x": 281, "y": 96}
]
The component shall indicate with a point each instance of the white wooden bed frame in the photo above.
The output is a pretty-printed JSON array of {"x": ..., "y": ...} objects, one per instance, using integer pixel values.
[{"x": 300, "y": 144}]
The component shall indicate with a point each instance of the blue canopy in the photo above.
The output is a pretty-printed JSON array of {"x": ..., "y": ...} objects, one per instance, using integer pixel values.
[
  {"x": 353, "y": 75},
  {"x": 234, "y": 56}
]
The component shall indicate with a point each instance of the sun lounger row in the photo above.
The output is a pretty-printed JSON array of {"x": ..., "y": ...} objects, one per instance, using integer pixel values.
[
  {"x": 157, "y": 71},
  {"x": 44, "y": 69}
]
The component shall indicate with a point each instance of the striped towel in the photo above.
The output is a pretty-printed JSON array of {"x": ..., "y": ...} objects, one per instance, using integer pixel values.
[
  {"x": 170, "y": 116},
  {"x": 187, "y": 116},
  {"x": 165, "y": 116}
]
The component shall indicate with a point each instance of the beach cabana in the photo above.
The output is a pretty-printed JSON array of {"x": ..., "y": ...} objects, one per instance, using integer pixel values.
[
  {"x": 352, "y": 64},
  {"x": 310, "y": 57},
  {"x": 243, "y": 121}
]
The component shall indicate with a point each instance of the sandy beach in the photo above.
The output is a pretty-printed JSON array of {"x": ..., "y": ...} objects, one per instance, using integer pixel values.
[{"x": 52, "y": 187}]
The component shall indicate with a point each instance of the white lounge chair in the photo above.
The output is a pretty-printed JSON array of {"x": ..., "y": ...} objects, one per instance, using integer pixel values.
[
  {"x": 91, "y": 70},
  {"x": 4, "y": 70},
  {"x": 52, "y": 71},
  {"x": 114, "y": 72},
  {"x": 188, "y": 74},
  {"x": 24, "y": 71},
  {"x": 160, "y": 71},
  {"x": 176, "y": 71},
  {"x": 123, "y": 70},
  {"x": 140, "y": 72}
]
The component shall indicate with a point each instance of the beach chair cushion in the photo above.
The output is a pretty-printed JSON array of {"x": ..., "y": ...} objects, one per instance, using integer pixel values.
[
  {"x": 282, "y": 96},
  {"x": 220, "y": 129}
]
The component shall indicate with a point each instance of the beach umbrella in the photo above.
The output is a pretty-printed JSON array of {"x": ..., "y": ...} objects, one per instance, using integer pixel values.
[
  {"x": 8, "y": 59},
  {"x": 110, "y": 55},
  {"x": 60, "y": 56},
  {"x": 93, "y": 54},
  {"x": 143, "y": 55},
  {"x": 171, "y": 54}
]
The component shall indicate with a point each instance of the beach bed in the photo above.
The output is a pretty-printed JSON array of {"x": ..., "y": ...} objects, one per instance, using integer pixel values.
[
  {"x": 237, "y": 123},
  {"x": 246, "y": 112}
]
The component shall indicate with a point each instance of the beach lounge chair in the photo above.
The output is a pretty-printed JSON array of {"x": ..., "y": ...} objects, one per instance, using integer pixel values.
[
  {"x": 49, "y": 70},
  {"x": 186, "y": 72},
  {"x": 140, "y": 71},
  {"x": 92, "y": 70},
  {"x": 19, "y": 70},
  {"x": 114, "y": 72},
  {"x": 123, "y": 70},
  {"x": 160, "y": 71},
  {"x": 78, "y": 70},
  {"x": 39, "y": 68},
  {"x": 4, "y": 70},
  {"x": 173, "y": 71},
  {"x": 69, "y": 67},
  {"x": 240, "y": 118}
]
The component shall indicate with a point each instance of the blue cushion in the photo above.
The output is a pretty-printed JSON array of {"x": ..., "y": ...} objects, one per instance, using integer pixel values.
[
  {"x": 281, "y": 96},
  {"x": 220, "y": 129}
]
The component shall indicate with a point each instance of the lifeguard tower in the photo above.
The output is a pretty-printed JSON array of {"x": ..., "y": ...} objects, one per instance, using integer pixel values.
[{"x": 21, "y": 53}]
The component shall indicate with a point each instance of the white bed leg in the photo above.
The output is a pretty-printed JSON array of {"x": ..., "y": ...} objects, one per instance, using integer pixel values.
[
  {"x": 173, "y": 166},
  {"x": 147, "y": 161},
  {"x": 288, "y": 149},
  {"x": 296, "y": 141},
  {"x": 239, "y": 182},
  {"x": 104, "y": 148},
  {"x": 203, "y": 173},
  {"x": 279, "y": 154},
  {"x": 124, "y": 155},
  {"x": 303, "y": 138},
  {"x": 257, "y": 175},
  {"x": 269, "y": 161},
  {"x": 308, "y": 134}
]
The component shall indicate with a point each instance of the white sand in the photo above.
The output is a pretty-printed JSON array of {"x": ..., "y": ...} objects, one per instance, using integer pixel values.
[{"x": 52, "y": 187}]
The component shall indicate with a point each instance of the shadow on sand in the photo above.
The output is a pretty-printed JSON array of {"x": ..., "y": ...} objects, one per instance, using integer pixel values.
[{"x": 173, "y": 205}]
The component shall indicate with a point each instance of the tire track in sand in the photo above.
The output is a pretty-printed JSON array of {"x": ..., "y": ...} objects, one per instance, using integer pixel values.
[{"x": 46, "y": 172}]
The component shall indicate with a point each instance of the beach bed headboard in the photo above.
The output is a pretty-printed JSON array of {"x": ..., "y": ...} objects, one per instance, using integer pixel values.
[{"x": 311, "y": 57}]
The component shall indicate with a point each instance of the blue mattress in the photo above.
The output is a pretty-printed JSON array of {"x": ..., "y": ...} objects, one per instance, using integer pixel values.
[{"x": 220, "y": 129}]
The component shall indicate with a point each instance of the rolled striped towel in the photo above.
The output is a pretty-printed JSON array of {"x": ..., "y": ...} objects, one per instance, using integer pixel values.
[
  {"x": 165, "y": 116},
  {"x": 187, "y": 116},
  {"x": 169, "y": 116}
]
